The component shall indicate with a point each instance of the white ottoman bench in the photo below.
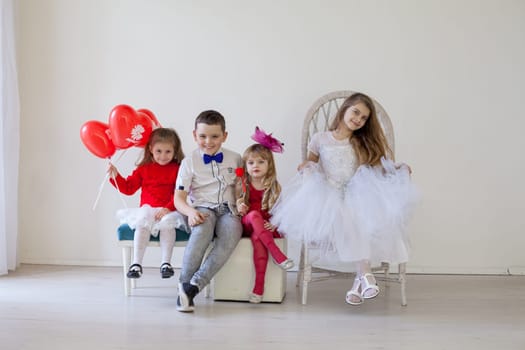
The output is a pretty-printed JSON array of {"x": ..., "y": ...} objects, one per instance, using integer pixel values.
[{"x": 235, "y": 279}]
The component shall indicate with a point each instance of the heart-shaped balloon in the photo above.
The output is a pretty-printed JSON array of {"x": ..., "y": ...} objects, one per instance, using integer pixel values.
[
  {"x": 154, "y": 120},
  {"x": 95, "y": 136},
  {"x": 129, "y": 128}
]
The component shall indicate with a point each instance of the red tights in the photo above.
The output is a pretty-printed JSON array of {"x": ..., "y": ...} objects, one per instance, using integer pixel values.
[{"x": 263, "y": 242}]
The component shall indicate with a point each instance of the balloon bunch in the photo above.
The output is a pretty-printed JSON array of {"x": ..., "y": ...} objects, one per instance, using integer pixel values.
[{"x": 127, "y": 127}]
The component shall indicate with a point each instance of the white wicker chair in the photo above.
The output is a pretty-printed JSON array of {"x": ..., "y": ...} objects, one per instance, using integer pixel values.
[{"x": 319, "y": 118}]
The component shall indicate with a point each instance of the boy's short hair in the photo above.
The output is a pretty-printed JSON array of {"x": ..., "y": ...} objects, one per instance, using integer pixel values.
[{"x": 211, "y": 117}]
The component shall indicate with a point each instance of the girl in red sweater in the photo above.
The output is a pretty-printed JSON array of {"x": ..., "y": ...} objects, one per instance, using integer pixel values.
[
  {"x": 155, "y": 174},
  {"x": 260, "y": 190}
]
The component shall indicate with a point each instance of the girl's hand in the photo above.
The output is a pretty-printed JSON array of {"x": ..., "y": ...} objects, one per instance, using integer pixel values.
[
  {"x": 305, "y": 164},
  {"x": 268, "y": 226},
  {"x": 302, "y": 165},
  {"x": 161, "y": 213},
  {"x": 400, "y": 165},
  {"x": 196, "y": 218},
  {"x": 242, "y": 208},
  {"x": 112, "y": 171},
  {"x": 311, "y": 159}
]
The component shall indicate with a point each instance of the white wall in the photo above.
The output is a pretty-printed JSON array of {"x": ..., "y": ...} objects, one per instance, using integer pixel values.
[{"x": 450, "y": 73}]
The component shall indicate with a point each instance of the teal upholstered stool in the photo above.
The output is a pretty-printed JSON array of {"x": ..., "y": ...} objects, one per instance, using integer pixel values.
[{"x": 125, "y": 240}]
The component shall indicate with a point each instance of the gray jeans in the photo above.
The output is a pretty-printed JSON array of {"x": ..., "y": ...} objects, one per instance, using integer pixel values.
[{"x": 227, "y": 229}]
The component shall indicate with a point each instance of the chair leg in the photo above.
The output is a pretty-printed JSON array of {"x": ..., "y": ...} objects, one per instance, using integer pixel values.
[
  {"x": 306, "y": 273},
  {"x": 304, "y": 293},
  {"x": 300, "y": 270},
  {"x": 402, "y": 281},
  {"x": 386, "y": 269},
  {"x": 126, "y": 261}
]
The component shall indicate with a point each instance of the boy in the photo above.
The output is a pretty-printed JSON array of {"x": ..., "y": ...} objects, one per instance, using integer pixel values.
[{"x": 208, "y": 177}]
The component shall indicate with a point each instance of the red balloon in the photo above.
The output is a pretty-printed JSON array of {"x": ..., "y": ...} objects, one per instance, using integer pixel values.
[
  {"x": 129, "y": 128},
  {"x": 152, "y": 116},
  {"x": 95, "y": 136},
  {"x": 153, "y": 127}
]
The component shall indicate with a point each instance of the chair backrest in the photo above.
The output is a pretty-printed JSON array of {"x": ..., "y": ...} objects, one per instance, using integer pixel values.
[{"x": 323, "y": 111}]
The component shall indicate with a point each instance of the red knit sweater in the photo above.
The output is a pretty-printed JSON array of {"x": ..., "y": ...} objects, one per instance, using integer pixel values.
[{"x": 157, "y": 183}]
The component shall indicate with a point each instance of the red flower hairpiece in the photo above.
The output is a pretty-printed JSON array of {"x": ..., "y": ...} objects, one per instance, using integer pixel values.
[
  {"x": 267, "y": 140},
  {"x": 239, "y": 172}
]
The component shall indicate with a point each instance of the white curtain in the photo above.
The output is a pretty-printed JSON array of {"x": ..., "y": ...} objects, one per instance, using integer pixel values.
[{"x": 10, "y": 137}]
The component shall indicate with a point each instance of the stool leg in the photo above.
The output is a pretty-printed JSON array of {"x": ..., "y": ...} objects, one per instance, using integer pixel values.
[
  {"x": 126, "y": 261},
  {"x": 402, "y": 280}
]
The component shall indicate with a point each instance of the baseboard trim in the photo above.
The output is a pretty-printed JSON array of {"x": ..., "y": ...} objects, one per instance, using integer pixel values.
[
  {"x": 483, "y": 270},
  {"x": 437, "y": 270}
]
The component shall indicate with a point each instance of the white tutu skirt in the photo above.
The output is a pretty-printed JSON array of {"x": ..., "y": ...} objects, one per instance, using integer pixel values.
[
  {"x": 144, "y": 217},
  {"x": 366, "y": 219}
]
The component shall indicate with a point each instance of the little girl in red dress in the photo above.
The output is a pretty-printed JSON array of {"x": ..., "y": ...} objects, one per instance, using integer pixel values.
[
  {"x": 155, "y": 175},
  {"x": 259, "y": 191}
]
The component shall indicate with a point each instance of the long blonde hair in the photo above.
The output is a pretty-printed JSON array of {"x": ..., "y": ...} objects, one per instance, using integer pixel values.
[
  {"x": 369, "y": 141},
  {"x": 272, "y": 188}
]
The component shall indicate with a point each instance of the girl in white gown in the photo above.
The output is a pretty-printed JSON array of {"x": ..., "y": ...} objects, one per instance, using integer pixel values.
[{"x": 349, "y": 199}]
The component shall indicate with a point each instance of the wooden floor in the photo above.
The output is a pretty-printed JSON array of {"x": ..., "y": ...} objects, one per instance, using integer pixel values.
[{"x": 65, "y": 307}]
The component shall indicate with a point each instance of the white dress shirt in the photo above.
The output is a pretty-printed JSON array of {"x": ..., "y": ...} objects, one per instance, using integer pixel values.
[{"x": 209, "y": 185}]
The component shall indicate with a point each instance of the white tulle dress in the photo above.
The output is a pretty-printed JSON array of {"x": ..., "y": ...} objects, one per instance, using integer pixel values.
[
  {"x": 144, "y": 217},
  {"x": 350, "y": 213}
]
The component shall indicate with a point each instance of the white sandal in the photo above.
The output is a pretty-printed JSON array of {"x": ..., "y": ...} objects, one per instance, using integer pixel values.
[
  {"x": 354, "y": 294},
  {"x": 368, "y": 286}
]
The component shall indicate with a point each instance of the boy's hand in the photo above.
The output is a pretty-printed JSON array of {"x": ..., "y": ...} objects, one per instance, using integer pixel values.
[{"x": 196, "y": 218}]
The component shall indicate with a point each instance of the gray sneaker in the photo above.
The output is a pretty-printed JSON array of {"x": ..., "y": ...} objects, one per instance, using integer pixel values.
[{"x": 187, "y": 292}]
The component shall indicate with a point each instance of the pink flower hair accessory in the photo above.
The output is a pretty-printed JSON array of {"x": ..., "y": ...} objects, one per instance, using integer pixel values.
[{"x": 267, "y": 140}]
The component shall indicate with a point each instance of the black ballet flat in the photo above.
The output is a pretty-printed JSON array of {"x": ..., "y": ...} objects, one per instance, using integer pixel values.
[
  {"x": 134, "y": 273},
  {"x": 166, "y": 271}
]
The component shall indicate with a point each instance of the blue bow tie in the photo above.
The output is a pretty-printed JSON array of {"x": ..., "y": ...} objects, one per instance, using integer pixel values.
[{"x": 217, "y": 157}]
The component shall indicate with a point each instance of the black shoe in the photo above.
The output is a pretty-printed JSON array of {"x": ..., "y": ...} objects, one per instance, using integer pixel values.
[
  {"x": 134, "y": 271},
  {"x": 187, "y": 292},
  {"x": 166, "y": 271}
]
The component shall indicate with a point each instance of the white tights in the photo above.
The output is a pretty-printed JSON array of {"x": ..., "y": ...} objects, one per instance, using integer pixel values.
[{"x": 141, "y": 239}]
